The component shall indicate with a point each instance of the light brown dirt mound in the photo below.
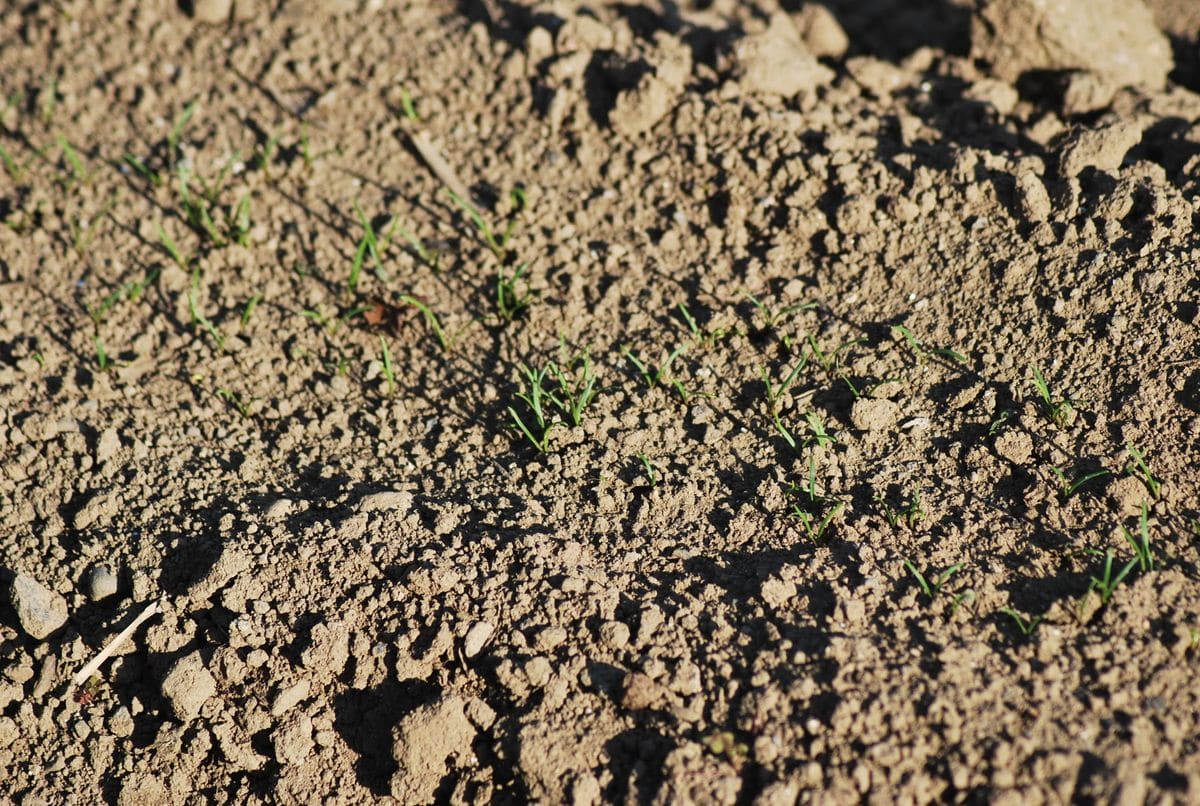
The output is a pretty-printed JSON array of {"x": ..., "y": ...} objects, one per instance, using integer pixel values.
[{"x": 774, "y": 416}]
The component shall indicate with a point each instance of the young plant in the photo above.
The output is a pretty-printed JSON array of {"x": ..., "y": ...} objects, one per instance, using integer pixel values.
[
  {"x": 101, "y": 354},
  {"x": 920, "y": 351},
  {"x": 1060, "y": 411},
  {"x": 658, "y": 376},
  {"x": 169, "y": 245},
  {"x": 233, "y": 399},
  {"x": 576, "y": 387},
  {"x": 497, "y": 244},
  {"x": 432, "y": 322},
  {"x": 239, "y": 221},
  {"x": 1141, "y": 543},
  {"x": 648, "y": 469},
  {"x": 265, "y": 155},
  {"x": 196, "y": 210},
  {"x": 1025, "y": 625},
  {"x": 83, "y": 235},
  {"x": 198, "y": 317},
  {"x": 536, "y": 398},
  {"x": 817, "y": 435},
  {"x": 1142, "y": 469},
  {"x": 142, "y": 170},
  {"x": 814, "y": 528},
  {"x": 177, "y": 131},
  {"x": 408, "y": 107},
  {"x": 700, "y": 337},
  {"x": 513, "y": 294},
  {"x": 771, "y": 317},
  {"x": 248, "y": 309},
  {"x": 79, "y": 174},
  {"x": 1107, "y": 584},
  {"x": 389, "y": 372},
  {"x": 931, "y": 584},
  {"x": 1067, "y": 488},
  {"x": 775, "y": 394},
  {"x": 909, "y": 514},
  {"x": 831, "y": 362}
]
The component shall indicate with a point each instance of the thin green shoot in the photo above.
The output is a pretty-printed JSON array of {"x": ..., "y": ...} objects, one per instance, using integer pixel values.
[
  {"x": 920, "y": 351},
  {"x": 196, "y": 211},
  {"x": 817, "y": 435},
  {"x": 830, "y": 362},
  {"x": 169, "y": 245},
  {"x": 239, "y": 221},
  {"x": 142, "y": 170},
  {"x": 48, "y": 101},
  {"x": 431, "y": 321},
  {"x": 700, "y": 336},
  {"x": 513, "y": 294},
  {"x": 408, "y": 107},
  {"x": 576, "y": 387},
  {"x": 177, "y": 131},
  {"x": 1067, "y": 488},
  {"x": 1107, "y": 584},
  {"x": 389, "y": 371},
  {"x": 232, "y": 398},
  {"x": 198, "y": 317},
  {"x": 79, "y": 173},
  {"x": 101, "y": 354},
  {"x": 648, "y": 468},
  {"x": 131, "y": 291},
  {"x": 1153, "y": 483},
  {"x": 1027, "y": 626},
  {"x": 814, "y": 527},
  {"x": 248, "y": 309},
  {"x": 266, "y": 154},
  {"x": 10, "y": 165},
  {"x": 430, "y": 257},
  {"x": 369, "y": 245},
  {"x": 1141, "y": 542},
  {"x": 772, "y": 317},
  {"x": 535, "y": 396},
  {"x": 82, "y": 237},
  {"x": 931, "y": 584},
  {"x": 1002, "y": 421},
  {"x": 908, "y": 514},
  {"x": 775, "y": 394},
  {"x": 1059, "y": 411},
  {"x": 497, "y": 245}
]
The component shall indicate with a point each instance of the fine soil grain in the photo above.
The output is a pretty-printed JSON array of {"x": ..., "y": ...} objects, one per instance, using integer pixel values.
[{"x": 789, "y": 402}]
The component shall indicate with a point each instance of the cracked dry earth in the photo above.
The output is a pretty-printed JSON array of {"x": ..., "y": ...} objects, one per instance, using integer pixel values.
[{"x": 255, "y": 369}]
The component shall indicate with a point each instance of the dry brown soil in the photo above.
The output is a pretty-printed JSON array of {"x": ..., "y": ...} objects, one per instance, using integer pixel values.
[{"x": 378, "y": 589}]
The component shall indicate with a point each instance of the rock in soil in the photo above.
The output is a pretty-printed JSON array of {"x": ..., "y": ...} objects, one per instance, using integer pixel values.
[
  {"x": 424, "y": 744},
  {"x": 777, "y": 62},
  {"x": 101, "y": 583},
  {"x": 39, "y": 611}
]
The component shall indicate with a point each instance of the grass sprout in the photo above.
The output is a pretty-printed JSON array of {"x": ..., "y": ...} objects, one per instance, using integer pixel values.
[
  {"x": 248, "y": 310},
  {"x": 1106, "y": 584},
  {"x": 198, "y": 317},
  {"x": 536, "y": 397},
  {"x": 648, "y": 469},
  {"x": 921, "y": 352},
  {"x": 432, "y": 322},
  {"x": 1153, "y": 483},
  {"x": 1060, "y": 411},
  {"x": 1141, "y": 542},
  {"x": 700, "y": 337},
  {"x": 101, "y": 354},
  {"x": 1068, "y": 488},
  {"x": 232, "y": 398},
  {"x": 931, "y": 582},
  {"x": 497, "y": 244},
  {"x": 169, "y": 245},
  {"x": 181, "y": 122},
  {"x": 659, "y": 375},
  {"x": 773, "y": 317},
  {"x": 908, "y": 514},
  {"x": 1027, "y": 626},
  {"x": 513, "y": 294},
  {"x": 831, "y": 362},
  {"x": 576, "y": 387}
]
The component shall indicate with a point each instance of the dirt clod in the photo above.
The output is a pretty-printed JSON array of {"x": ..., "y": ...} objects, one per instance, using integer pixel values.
[
  {"x": 426, "y": 743},
  {"x": 188, "y": 686}
]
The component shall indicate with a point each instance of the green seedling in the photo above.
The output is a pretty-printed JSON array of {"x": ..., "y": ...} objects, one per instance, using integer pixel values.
[
  {"x": 198, "y": 317},
  {"x": 79, "y": 173},
  {"x": 536, "y": 397},
  {"x": 932, "y": 584},
  {"x": 370, "y": 244},
  {"x": 775, "y": 394},
  {"x": 232, "y": 398},
  {"x": 10, "y": 165},
  {"x": 909, "y": 514},
  {"x": 177, "y": 131},
  {"x": 817, "y": 435},
  {"x": 1153, "y": 483},
  {"x": 101, "y": 354},
  {"x": 239, "y": 221},
  {"x": 576, "y": 387},
  {"x": 142, "y": 170},
  {"x": 131, "y": 291},
  {"x": 513, "y": 294},
  {"x": 1059, "y": 411},
  {"x": 196, "y": 210},
  {"x": 1002, "y": 421},
  {"x": 1141, "y": 543},
  {"x": 497, "y": 245},
  {"x": 700, "y": 337},
  {"x": 48, "y": 101},
  {"x": 430, "y": 257},
  {"x": 82, "y": 236},
  {"x": 248, "y": 309},
  {"x": 1025, "y": 625},
  {"x": 212, "y": 193},
  {"x": 1068, "y": 488},
  {"x": 814, "y": 527},
  {"x": 389, "y": 372},
  {"x": 771, "y": 317},
  {"x": 265, "y": 155},
  {"x": 831, "y": 362},
  {"x": 408, "y": 107},
  {"x": 658, "y": 376},
  {"x": 1107, "y": 584},
  {"x": 648, "y": 469},
  {"x": 920, "y": 351},
  {"x": 169, "y": 245},
  {"x": 433, "y": 323},
  {"x": 13, "y": 101}
]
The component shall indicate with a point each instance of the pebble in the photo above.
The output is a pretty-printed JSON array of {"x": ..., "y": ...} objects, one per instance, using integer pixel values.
[
  {"x": 120, "y": 722},
  {"x": 101, "y": 583},
  {"x": 614, "y": 634},
  {"x": 398, "y": 501},
  {"x": 46, "y": 677},
  {"x": 39, "y": 611},
  {"x": 477, "y": 637}
]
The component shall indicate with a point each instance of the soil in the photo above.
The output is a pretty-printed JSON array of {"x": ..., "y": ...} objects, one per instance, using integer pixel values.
[{"x": 833, "y": 550}]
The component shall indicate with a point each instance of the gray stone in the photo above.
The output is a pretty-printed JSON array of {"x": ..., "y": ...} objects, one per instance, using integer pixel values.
[
  {"x": 188, "y": 686},
  {"x": 39, "y": 611},
  {"x": 101, "y": 583}
]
